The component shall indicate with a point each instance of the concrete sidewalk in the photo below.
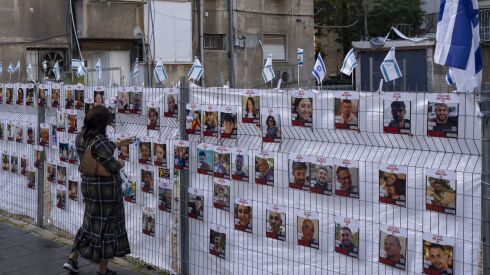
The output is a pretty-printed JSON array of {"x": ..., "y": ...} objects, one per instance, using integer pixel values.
[{"x": 26, "y": 249}]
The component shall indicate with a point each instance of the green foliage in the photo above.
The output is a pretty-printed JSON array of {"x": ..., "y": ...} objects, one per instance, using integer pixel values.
[{"x": 387, "y": 13}]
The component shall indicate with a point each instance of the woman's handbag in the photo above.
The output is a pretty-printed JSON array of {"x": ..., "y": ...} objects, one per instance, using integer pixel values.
[{"x": 91, "y": 166}]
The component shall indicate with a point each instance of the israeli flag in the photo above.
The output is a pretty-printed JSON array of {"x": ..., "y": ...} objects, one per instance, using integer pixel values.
[
  {"x": 11, "y": 69},
  {"x": 17, "y": 67},
  {"x": 196, "y": 70},
  {"x": 29, "y": 71},
  {"x": 350, "y": 63},
  {"x": 57, "y": 71},
  {"x": 45, "y": 65},
  {"x": 458, "y": 42},
  {"x": 81, "y": 71},
  {"x": 300, "y": 57},
  {"x": 320, "y": 70},
  {"x": 159, "y": 72},
  {"x": 98, "y": 68},
  {"x": 136, "y": 68},
  {"x": 268, "y": 73},
  {"x": 389, "y": 67},
  {"x": 1, "y": 68}
]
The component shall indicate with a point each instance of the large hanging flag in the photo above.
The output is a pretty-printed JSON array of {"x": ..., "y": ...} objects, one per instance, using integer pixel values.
[
  {"x": 268, "y": 73},
  {"x": 159, "y": 72},
  {"x": 300, "y": 57},
  {"x": 458, "y": 43},
  {"x": 136, "y": 68},
  {"x": 389, "y": 67},
  {"x": 196, "y": 70},
  {"x": 319, "y": 70},
  {"x": 98, "y": 68},
  {"x": 29, "y": 71},
  {"x": 57, "y": 71},
  {"x": 81, "y": 71},
  {"x": 350, "y": 63}
]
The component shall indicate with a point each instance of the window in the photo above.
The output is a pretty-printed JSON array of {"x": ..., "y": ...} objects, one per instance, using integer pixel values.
[
  {"x": 214, "y": 42},
  {"x": 276, "y": 45}
]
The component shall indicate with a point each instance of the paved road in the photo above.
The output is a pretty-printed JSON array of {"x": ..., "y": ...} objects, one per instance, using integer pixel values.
[{"x": 22, "y": 252}]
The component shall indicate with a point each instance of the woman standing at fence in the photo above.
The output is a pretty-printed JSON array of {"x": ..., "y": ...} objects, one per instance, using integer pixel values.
[{"x": 103, "y": 233}]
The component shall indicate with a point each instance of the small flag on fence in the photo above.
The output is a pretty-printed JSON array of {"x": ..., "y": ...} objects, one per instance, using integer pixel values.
[
  {"x": 350, "y": 63},
  {"x": 449, "y": 77},
  {"x": 81, "y": 71},
  {"x": 319, "y": 70},
  {"x": 57, "y": 71},
  {"x": 300, "y": 57},
  {"x": 458, "y": 43},
  {"x": 11, "y": 68},
  {"x": 98, "y": 68},
  {"x": 389, "y": 67},
  {"x": 268, "y": 73},
  {"x": 1, "y": 68},
  {"x": 196, "y": 70},
  {"x": 17, "y": 67},
  {"x": 45, "y": 65},
  {"x": 159, "y": 72},
  {"x": 29, "y": 71},
  {"x": 136, "y": 68}
]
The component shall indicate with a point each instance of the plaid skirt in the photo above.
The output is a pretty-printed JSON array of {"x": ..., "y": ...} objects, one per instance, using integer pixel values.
[{"x": 103, "y": 233}]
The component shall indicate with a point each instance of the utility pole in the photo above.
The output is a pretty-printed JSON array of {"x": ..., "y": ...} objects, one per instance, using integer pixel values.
[{"x": 231, "y": 43}]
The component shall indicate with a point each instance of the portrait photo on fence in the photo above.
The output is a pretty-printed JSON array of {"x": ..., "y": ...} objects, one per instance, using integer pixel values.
[
  {"x": 240, "y": 165},
  {"x": 302, "y": 108},
  {"x": 299, "y": 172},
  {"x": 99, "y": 96},
  {"x": 131, "y": 196},
  {"x": 123, "y": 100},
  {"x": 69, "y": 96},
  {"x": 31, "y": 179},
  {"x": 392, "y": 184},
  {"x": 438, "y": 253},
  {"x": 123, "y": 149},
  {"x": 205, "y": 159},
  {"x": 243, "y": 215},
  {"x": 397, "y": 113},
  {"x": 222, "y": 162},
  {"x": 221, "y": 194},
  {"x": 210, "y": 121},
  {"x": 264, "y": 168},
  {"x": 153, "y": 117},
  {"x": 42, "y": 96},
  {"x": 30, "y": 94},
  {"x": 144, "y": 151},
  {"x": 271, "y": 125},
  {"x": 308, "y": 228},
  {"x": 347, "y": 110},
  {"x": 347, "y": 236},
  {"x": 20, "y": 95},
  {"x": 147, "y": 179},
  {"x": 73, "y": 189},
  {"x": 217, "y": 242},
  {"x": 250, "y": 107},
  {"x": 441, "y": 191},
  {"x": 136, "y": 102},
  {"x": 193, "y": 119},
  {"x": 195, "y": 208},
  {"x": 393, "y": 246},
  {"x": 171, "y": 106},
  {"x": 159, "y": 153},
  {"x": 79, "y": 97},
  {"x": 347, "y": 178},
  {"x": 321, "y": 175},
  {"x": 165, "y": 196},
  {"x": 443, "y": 115},
  {"x": 181, "y": 155},
  {"x": 148, "y": 221},
  {"x": 228, "y": 122},
  {"x": 55, "y": 95},
  {"x": 61, "y": 196},
  {"x": 276, "y": 222}
]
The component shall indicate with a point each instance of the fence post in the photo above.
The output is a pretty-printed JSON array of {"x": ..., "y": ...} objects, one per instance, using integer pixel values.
[
  {"x": 184, "y": 181},
  {"x": 485, "y": 180},
  {"x": 41, "y": 118}
]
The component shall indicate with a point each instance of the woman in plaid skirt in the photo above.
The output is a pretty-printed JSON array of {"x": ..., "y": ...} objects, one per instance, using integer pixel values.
[{"x": 102, "y": 235}]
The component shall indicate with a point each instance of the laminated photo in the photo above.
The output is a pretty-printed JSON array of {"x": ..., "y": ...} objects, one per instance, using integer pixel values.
[
  {"x": 264, "y": 168},
  {"x": 38, "y": 156},
  {"x": 243, "y": 215},
  {"x": 165, "y": 196},
  {"x": 149, "y": 221},
  {"x": 69, "y": 96},
  {"x": 136, "y": 101},
  {"x": 276, "y": 222},
  {"x": 240, "y": 166},
  {"x": 221, "y": 194},
  {"x": 51, "y": 172},
  {"x": 42, "y": 95},
  {"x": 144, "y": 150},
  {"x": 72, "y": 121},
  {"x": 9, "y": 93},
  {"x": 302, "y": 108},
  {"x": 123, "y": 99},
  {"x": 147, "y": 180},
  {"x": 393, "y": 246},
  {"x": 299, "y": 172},
  {"x": 131, "y": 197},
  {"x": 271, "y": 125},
  {"x": 19, "y": 133},
  {"x": 60, "y": 120},
  {"x": 5, "y": 161},
  {"x": 123, "y": 150},
  {"x": 73, "y": 189},
  {"x": 63, "y": 150},
  {"x": 195, "y": 207},
  {"x": 30, "y": 94},
  {"x": 55, "y": 95},
  {"x": 10, "y": 131},
  {"x": 14, "y": 163},
  {"x": 442, "y": 115},
  {"x": 347, "y": 110},
  {"x": 347, "y": 178},
  {"x": 61, "y": 197},
  {"x": 392, "y": 184},
  {"x": 228, "y": 122},
  {"x": 153, "y": 112},
  {"x": 31, "y": 179},
  {"x": 99, "y": 96},
  {"x": 111, "y": 106},
  {"x": 193, "y": 119},
  {"x": 438, "y": 253},
  {"x": 171, "y": 100},
  {"x": 321, "y": 175},
  {"x": 205, "y": 159},
  {"x": 164, "y": 173},
  {"x": 61, "y": 174},
  {"x": 2, "y": 88},
  {"x": 54, "y": 136},
  {"x": 397, "y": 113},
  {"x": 308, "y": 228},
  {"x": 250, "y": 107},
  {"x": 159, "y": 152},
  {"x": 20, "y": 94},
  {"x": 181, "y": 155},
  {"x": 24, "y": 163},
  {"x": 2, "y": 130},
  {"x": 89, "y": 104},
  {"x": 31, "y": 133},
  {"x": 210, "y": 121},
  {"x": 441, "y": 191},
  {"x": 217, "y": 241},
  {"x": 222, "y": 158},
  {"x": 347, "y": 236},
  {"x": 79, "y": 97},
  {"x": 72, "y": 153}
]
